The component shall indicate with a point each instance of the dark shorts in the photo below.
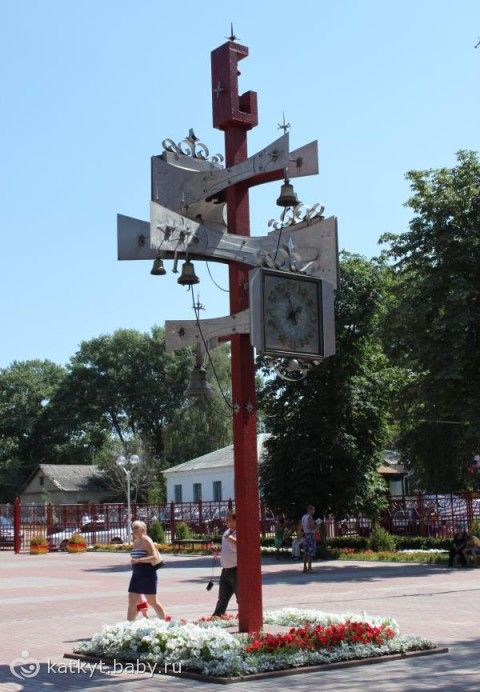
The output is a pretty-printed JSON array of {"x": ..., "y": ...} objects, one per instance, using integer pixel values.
[
  {"x": 310, "y": 545},
  {"x": 144, "y": 580}
]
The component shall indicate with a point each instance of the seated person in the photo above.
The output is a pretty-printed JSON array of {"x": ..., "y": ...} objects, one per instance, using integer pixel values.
[
  {"x": 471, "y": 550},
  {"x": 459, "y": 542}
]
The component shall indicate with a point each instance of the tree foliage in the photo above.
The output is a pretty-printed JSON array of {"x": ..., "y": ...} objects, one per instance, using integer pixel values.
[
  {"x": 119, "y": 394},
  {"x": 433, "y": 325},
  {"x": 26, "y": 389},
  {"x": 328, "y": 431}
]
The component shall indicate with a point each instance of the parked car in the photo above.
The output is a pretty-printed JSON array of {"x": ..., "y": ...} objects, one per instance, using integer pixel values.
[
  {"x": 92, "y": 532},
  {"x": 405, "y": 521},
  {"x": 6, "y": 532}
]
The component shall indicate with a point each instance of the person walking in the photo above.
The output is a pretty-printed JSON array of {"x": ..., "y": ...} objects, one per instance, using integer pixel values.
[
  {"x": 228, "y": 561},
  {"x": 144, "y": 557},
  {"x": 280, "y": 534},
  {"x": 310, "y": 545}
]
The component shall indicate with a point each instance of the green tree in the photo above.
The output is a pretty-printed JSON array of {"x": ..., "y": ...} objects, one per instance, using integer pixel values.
[
  {"x": 26, "y": 390},
  {"x": 328, "y": 431},
  {"x": 127, "y": 384},
  {"x": 204, "y": 424},
  {"x": 434, "y": 323}
]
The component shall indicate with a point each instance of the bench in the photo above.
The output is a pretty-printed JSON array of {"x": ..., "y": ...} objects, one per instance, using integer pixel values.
[{"x": 201, "y": 543}]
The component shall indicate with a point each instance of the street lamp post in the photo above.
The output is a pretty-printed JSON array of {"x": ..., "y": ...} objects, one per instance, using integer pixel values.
[{"x": 128, "y": 465}]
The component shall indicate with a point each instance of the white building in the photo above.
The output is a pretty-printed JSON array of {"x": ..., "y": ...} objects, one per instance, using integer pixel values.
[
  {"x": 206, "y": 478},
  {"x": 211, "y": 476}
]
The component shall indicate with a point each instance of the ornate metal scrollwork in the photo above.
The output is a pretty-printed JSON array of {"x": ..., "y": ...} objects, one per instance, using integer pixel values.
[
  {"x": 283, "y": 259},
  {"x": 191, "y": 146},
  {"x": 294, "y": 369},
  {"x": 292, "y": 215}
]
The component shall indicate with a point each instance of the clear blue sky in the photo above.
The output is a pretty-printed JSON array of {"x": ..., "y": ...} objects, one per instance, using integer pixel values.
[{"x": 90, "y": 89}]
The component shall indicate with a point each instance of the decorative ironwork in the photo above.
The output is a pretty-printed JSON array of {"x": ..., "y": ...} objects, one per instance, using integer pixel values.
[
  {"x": 283, "y": 258},
  {"x": 294, "y": 369},
  {"x": 191, "y": 146},
  {"x": 297, "y": 214}
]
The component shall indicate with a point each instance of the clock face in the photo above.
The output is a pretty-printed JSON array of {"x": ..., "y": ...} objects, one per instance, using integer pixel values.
[{"x": 292, "y": 313}]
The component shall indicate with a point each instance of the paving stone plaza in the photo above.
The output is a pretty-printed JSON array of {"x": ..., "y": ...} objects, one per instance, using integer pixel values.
[{"x": 49, "y": 602}]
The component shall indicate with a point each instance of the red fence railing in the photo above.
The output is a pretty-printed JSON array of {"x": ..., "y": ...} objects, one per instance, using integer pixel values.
[{"x": 422, "y": 514}]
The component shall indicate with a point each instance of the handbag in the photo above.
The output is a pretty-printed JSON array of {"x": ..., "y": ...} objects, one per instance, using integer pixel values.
[{"x": 210, "y": 584}]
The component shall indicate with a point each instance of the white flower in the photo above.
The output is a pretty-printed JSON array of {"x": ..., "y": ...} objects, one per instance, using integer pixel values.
[{"x": 211, "y": 650}]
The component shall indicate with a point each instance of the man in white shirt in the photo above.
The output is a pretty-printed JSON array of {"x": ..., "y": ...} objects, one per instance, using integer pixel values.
[{"x": 228, "y": 560}]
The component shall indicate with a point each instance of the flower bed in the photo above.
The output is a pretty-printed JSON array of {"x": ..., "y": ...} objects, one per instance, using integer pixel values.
[
  {"x": 206, "y": 647},
  {"x": 432, "y": 556}
]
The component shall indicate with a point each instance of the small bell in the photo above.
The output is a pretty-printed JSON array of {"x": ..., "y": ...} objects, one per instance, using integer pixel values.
[
  {"x": 198, "y": 385},
  {"x": 158, "y": 269},
  {"x": 188, "y": 276},
  {"x": 288, "y": 197}
]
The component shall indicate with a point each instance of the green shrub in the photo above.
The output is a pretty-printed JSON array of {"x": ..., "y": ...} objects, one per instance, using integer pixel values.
[
  {"x": 157, "y": 532},
  {"x": 182, "y": 531},
  {"x": 355, "y": 542},
  {"x": 381, "y": 540},
  {"x": 267, "y": 542},
  {"x": 422, "y": 543},
  {"x": 475, "y": 528}
]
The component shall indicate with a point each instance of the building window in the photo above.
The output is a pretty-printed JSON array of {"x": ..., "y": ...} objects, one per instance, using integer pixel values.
[
  {"x": 197, "y": 492},
  {"x": 217, "y": 491},
  {"x": 177, "y": 491},
  {"x": 41, "y": 480}
]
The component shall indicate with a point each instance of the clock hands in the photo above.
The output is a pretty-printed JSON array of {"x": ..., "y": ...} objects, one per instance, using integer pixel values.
[{"x": 293, "y": 312}]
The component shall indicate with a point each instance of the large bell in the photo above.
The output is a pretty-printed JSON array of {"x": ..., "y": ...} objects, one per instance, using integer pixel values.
[
  {"x": 288, "y": 197},
  {"x": 188, "y": 276},
  {"x": 158, "y": 269},
  {"x": 198, "y": 385}
]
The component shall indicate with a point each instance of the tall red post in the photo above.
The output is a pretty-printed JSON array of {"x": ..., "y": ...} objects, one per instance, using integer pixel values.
[
  {"x": 236, "y": 114},
  {"x": 17, "y": 526}
]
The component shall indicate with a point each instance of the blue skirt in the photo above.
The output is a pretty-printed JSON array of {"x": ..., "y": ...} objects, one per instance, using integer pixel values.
[{"x": 144, "y": 580}]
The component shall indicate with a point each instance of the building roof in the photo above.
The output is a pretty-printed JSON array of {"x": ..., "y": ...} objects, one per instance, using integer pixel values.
[
  {"x": 391, "y": 471},
  {"x": 71, "y": 477},
  {"x": 391, "y": 466},
  {"x": 213, "y": 460}
]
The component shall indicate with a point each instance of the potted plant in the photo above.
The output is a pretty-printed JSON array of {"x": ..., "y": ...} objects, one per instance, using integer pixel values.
[
  {"x": 38, "y": 544},
  {"x": 76, "y": 543}
]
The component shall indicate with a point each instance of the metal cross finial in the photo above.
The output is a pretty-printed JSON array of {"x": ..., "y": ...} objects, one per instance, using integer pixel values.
[
  {"x": 284, "y": 126},
  {"x": 232, "y": 36},
  {"x": 198, "y": 305},
  {"x": 218, "y": 90}
]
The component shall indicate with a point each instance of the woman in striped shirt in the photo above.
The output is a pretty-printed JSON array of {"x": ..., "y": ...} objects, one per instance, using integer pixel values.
[{"x": 144, "y": 557}]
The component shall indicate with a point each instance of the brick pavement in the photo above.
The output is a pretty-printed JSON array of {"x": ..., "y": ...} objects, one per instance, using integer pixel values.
[{"x": 50, "y": 602}]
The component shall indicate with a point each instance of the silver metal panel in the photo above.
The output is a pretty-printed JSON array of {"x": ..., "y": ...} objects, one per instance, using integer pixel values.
[
  {"x": 133, "y": 239},
  {"x": 182, "y": 333},
  {"x": 309, "y": 247},
  {"x": 316, "y": 244},
  {"x": 328, "y": 311},
  {"x": 303, "y": 161},
  {"x": 255, "y": 289},
  {"x": 177, "y": 188}
]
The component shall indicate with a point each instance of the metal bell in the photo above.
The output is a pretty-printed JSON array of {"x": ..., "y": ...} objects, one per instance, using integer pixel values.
[
  {"x": 288, "y": 197},
  {"x": 198, "y": 385},
  {"x": 158, "y": 269},
  {"x": 188, "y": 276}
]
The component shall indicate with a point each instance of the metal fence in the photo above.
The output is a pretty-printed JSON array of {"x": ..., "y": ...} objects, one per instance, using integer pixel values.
[
  {"x": 416, "y": 515},
  {"x": 108, "y": 523}
]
